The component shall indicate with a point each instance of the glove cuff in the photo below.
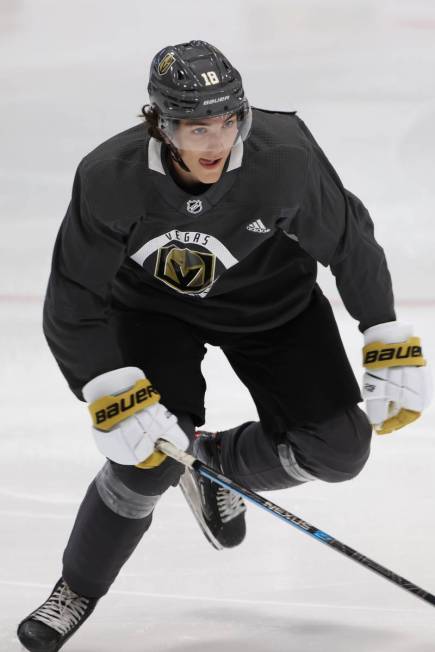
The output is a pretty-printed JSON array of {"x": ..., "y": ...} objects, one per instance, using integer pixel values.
[
  {"x": 391, "y": 332},
  {"x": 111, "y": 383}
]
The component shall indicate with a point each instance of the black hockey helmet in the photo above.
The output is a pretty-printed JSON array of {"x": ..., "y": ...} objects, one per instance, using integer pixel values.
[{"x": 195, "y": 80}]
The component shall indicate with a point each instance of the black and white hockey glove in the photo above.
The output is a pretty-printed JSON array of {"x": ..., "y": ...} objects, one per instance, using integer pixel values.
[
  {"x": 128, "y": 418},
  {"x": 397, "y": 385}
]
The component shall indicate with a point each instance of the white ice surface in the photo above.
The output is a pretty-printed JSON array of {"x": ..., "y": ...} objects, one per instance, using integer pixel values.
[
  {"x": 361, "y": 74},
  {"x": 280, "y": 591}
]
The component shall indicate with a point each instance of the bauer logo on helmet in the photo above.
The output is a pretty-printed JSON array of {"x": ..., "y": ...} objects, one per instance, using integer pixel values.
[{"x": 216, "y": 100}]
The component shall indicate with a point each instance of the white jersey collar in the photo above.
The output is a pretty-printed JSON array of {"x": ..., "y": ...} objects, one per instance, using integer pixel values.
[
  {"x": 236, "y": 155},
  {"x": 155, "y": 156}
]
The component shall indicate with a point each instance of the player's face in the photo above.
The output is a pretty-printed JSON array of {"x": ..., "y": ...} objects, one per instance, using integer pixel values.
[{"x": 205, "y": 145}]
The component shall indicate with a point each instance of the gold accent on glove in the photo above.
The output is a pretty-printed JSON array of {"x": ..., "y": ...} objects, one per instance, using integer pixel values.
[
  {"x": 379, "y": 355},
  {"x": 152, "y": 461},
  {"x": 399, "y": 421},
  {"x": 108, "y": 411}
]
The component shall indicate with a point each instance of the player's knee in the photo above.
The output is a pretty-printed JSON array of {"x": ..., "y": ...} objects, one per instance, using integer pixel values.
[
  {"x": 333, "y": 450},
  {"x": 150, "y": 483},
  {"x": 133, "y": 492},
  {"x": 348, "y": 437},
  {"x": 119, "y": 498}
]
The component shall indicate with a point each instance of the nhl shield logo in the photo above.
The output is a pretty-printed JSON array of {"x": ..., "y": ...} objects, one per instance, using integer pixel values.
[{"x": 194, "y": 206}]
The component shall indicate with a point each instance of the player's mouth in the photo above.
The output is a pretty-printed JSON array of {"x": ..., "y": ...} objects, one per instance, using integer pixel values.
[{"x": 210, "y": 164}]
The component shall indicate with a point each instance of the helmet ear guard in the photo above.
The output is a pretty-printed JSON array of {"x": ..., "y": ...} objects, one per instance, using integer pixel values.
[
  {"x": 153, "y": 120},
  {"x": 167, "y": 126}
]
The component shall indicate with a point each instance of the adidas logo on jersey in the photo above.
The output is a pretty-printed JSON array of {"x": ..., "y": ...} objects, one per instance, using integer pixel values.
[{"x": 258, "y": 227}]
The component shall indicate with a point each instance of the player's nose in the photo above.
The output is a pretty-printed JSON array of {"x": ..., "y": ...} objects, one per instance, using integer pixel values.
[{"x": 215, "y": 143}]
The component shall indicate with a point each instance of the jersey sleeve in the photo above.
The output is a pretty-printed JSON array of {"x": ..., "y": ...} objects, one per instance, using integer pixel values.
[
  {"x": 334, "y": 227},
  {"x": 87, "y": 255}
]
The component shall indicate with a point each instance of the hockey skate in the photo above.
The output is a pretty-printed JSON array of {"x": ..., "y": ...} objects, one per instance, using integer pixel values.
[
  {"x": 47, "y": 628},
  {"x": 220, "y": 512}
]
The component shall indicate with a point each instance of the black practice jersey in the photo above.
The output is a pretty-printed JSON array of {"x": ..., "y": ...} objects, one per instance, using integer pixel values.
[{"x": 241, "y": 256}]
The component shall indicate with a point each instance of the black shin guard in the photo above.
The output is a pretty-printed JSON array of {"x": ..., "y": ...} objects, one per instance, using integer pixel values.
[
  {"x": 100, "y": 543},
  {"x": 114, "y": 515}
]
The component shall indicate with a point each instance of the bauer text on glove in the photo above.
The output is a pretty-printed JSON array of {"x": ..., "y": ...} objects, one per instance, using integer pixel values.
[
  {"x": 397, "y": 385},
  {"x": 128, "y": 418}
]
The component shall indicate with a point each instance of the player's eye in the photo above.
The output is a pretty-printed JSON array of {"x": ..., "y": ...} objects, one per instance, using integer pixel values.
[
  {"x": 228, "y": 124},
  {"x": 199, "y": 131}
]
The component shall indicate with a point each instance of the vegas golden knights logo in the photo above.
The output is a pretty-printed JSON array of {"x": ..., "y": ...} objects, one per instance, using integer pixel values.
[
  {"x": 166, "y": 63},
  {"x": 185, "y": 270}
]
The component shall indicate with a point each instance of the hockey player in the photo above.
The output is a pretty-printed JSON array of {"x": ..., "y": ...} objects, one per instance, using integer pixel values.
[{"x": 205, "y": 226}]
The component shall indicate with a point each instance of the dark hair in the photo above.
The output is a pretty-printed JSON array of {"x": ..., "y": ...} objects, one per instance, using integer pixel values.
[{"x": 151, "y": 118}]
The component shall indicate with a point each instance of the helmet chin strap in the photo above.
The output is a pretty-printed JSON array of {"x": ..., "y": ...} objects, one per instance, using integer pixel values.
[{"x": 176, "y": 156}]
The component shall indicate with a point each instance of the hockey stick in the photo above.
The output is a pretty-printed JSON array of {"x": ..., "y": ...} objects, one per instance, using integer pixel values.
[{"x": 190, "y": 461}]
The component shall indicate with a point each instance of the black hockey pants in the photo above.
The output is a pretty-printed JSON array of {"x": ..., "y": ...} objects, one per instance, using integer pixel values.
[{"x": 309, "y": 424}]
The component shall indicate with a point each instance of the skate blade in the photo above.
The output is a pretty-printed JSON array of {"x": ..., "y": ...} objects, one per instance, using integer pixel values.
[{"x": 190, "y": 491}]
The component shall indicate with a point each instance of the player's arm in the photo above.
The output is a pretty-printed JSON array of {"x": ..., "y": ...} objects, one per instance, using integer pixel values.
[
  {"x": 335, "y": 227},
  {"x": 126, "y": 410},
  {"x": 87, "y": 255}
]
